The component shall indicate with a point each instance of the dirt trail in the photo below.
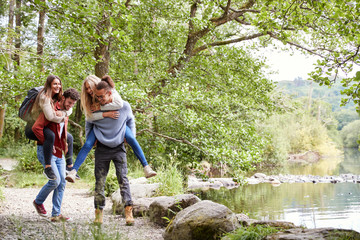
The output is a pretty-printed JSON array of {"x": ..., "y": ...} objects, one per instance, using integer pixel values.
[{"x": 19, "y": 220}]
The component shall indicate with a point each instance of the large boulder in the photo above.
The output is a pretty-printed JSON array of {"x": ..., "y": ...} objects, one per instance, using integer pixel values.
[
  {"x": 164, "y": 208},
  {"x": 201, "y": 221}
]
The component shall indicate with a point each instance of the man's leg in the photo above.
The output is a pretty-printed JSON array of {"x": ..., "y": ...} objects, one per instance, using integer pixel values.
[
  {"x": 69, "y": 154},
  {"x": 102, "y": 164},
  {"x": 59, "y": 191},
  {"x": 47, "y": 188},
  {"x": 121, "y": 174}
]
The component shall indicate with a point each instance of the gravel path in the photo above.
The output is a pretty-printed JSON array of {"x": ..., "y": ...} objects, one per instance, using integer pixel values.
[{"x": 19, "y": 220}]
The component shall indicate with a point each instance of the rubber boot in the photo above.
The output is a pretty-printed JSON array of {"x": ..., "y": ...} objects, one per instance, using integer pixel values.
[
  {"x": 98, "y": 216},
  {"x": 129, "y": 215}
]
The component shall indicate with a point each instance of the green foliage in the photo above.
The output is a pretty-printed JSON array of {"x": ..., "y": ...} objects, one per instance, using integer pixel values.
[
  {"x": 344, "y": 117},
  {"x": 251, "y": 233},
  {"x": 189, "y": 88},
  {"x": 297, "y": 131},
  {"x": 350, "y": 134},
  {"x": 28, "y": 162},
  {"x": 301, "y": 88}
]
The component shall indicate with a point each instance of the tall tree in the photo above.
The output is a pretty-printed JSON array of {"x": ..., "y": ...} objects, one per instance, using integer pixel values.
[
  {"x": 102, "y": 49},
  {"x": 10, "y": 35},
  {"x": 40, "y": 36},
  {"x": 18, "y": 33}
]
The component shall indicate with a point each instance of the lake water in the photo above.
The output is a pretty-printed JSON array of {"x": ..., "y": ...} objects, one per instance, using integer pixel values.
[{"x": 306, "y": 204}]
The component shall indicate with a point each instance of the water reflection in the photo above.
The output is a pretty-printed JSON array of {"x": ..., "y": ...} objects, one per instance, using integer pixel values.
[{"x": 307, "y": 204}]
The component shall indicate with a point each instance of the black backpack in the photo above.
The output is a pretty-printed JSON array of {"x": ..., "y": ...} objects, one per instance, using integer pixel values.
[{"x": 26, "y": 105}]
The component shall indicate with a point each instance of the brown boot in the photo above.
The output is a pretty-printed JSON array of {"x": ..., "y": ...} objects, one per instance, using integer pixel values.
[
  {"x": 98, "y": 216},
  {"x": 129, "y": 215}
]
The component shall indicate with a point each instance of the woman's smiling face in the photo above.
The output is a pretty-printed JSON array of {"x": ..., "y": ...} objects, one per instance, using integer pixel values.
[
  {"x": 88, "y": 89},
  {"x": 55, "y": 86}
]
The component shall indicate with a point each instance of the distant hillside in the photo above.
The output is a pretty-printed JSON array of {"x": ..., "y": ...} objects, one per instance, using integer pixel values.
[{"x": 301, "y": 88}]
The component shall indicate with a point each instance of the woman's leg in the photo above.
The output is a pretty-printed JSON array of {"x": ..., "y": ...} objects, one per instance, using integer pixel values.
[
  {"x": 59, "y": 191},
  {"x": 89, "y": 143},
  {"x": 131, "y": 140},
  {"x": 48, "y": 145}
]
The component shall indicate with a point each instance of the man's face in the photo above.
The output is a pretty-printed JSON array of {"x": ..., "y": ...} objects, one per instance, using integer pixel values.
[
  {"x": 68, "y": 103},
  {"x": 103, "y": 96}
]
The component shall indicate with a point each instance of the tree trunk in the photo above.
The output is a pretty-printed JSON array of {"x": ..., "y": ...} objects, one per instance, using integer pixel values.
[
  {"x": 78, "y": 113},
  {"x": 18, "y": 32},
  {"x": 10, "y": 36},
  {"x": 40, "y": 37},
  {"x": 102, "y": 53},
  {"x": 2, "y": 120}
]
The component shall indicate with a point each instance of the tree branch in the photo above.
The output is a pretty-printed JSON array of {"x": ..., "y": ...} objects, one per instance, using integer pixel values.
[
  {"x": 80, "y": 130},
  {"x": 171, "y": 138},
  {"x": 221, "y": 43}
]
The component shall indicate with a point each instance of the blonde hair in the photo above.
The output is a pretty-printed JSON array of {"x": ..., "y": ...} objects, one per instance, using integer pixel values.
[{"x": 86, "y": 99}]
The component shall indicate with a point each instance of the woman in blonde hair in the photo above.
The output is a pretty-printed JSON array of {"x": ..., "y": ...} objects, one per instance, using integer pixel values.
[
  {"x": 94, "y": 111},
  {"x": 47, "y": 97}
]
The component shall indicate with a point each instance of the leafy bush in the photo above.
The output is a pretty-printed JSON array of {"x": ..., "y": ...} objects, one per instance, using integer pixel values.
[
  {"x": 350, "y": 134},
  {"x": 28, "y": 161}
]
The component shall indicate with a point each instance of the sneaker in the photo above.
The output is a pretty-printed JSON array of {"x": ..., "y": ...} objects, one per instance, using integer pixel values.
[
  {"x": 49, "y": 173},
  {"x": 59, "y": 218},
  {"x": 71, "y": 176},
  {"x": 149, "y": 172},
  {"x": 40, "y": 209},
  {"x": 68, "y": 169}
]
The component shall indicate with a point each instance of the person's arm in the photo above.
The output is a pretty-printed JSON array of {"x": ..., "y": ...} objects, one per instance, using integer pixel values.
[
  {"x": 38, "y": 127},
  {"x": 116, "y": 103},
  {"x": 48, "y": 110},
  {"x": 100, "y": 115},
  {"x": 94, "y": 116}
]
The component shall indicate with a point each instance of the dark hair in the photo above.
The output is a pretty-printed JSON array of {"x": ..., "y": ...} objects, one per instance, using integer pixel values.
[
  {"x": 47, "y": 87},
  {"x": 109, "y": 80},
  {"x": 72, "y": 93},
  {"x": 106, "y": 83}
]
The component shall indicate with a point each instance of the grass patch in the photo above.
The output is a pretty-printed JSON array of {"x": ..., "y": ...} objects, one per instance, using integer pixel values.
[
  {"x": 251, "y": 233},
  {"x": 19, "y": 179},
  {"x": 170, "y": 178}
]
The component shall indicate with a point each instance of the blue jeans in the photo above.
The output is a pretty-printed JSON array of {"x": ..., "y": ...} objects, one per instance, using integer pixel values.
[
  {"x": 90, "y": 141},
  {"x": 58, "y": 186}
]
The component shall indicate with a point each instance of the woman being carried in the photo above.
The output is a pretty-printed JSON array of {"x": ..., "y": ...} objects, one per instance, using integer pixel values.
[
  {"x": 91, "y": 107},
  {"x": 45, "y": 101}
]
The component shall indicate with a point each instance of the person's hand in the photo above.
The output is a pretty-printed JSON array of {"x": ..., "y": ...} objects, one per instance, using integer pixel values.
[
  {"x": 58, "y": 113},
  {"x": 111, "y": 114},
  {"x": 95, "y": 107}
]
